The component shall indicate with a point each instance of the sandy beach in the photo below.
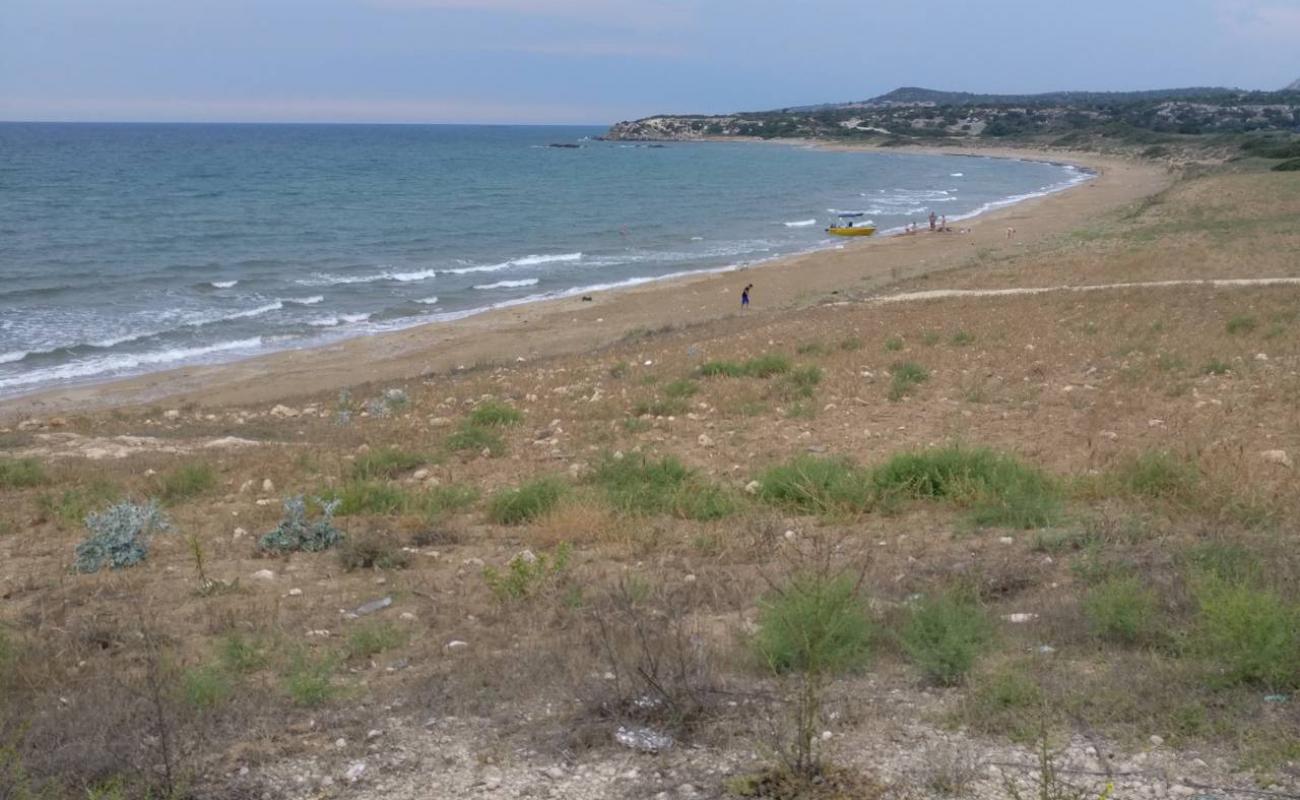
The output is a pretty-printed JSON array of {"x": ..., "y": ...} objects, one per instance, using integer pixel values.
[{"x": 571, "y": 325}]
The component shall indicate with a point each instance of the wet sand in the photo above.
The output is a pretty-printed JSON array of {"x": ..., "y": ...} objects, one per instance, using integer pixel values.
[{"x": 570, "y": 325}]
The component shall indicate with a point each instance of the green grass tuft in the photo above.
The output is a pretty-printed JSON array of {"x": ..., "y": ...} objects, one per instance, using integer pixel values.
[
  {"x": 1000, "y": 489},
  {"x": 894, "y": 343},
  {"x": 1216, "y": 367},
  {"x": 944, "y": 636},
  {"x": 373, "y": 638},
  {"x": 1121, "y": 609},
  {"x": 1253, "y": 634},
  {"x": 309, "y": 681},
  {"x": 1157, "y": 475},
  {"x": 826, "y": 486},
  {"x": 814, "y": 624},
  {"x": 681, "y": 389},
  {"x": 188, "y": 481},
  {"x": 799, "y": 383},
  {"x": 525, "y": 503},
  {"x": 640, "y": 485},
  {"x": 491, "y": 414},
  {"x": 765, "y": 366},
  {"x": 21, "y": 473},
  {"x": 470, "y": 438},
  {"x": 1242, "y": 323},
  {"x": 906, "y": 376},
  {"x": 385, "y": 462}
]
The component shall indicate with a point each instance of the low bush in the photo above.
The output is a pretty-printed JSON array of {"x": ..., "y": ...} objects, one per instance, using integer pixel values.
[
  {"x": 492, "y": 414},
  {"x": 1251, "y": 633},
  {"x": 72, "y": 505},
  {"x": 470, "y": 438},
  {"x": 962, "y": 338},
  {"x": 851, "y": 344},
  {"x": 1242, "y": 323},
  {"x": 309, "y": 680},
  {"x": 764, "y": 366},
  {"x": 1216, "y": 367},
  {"x": 188, "y": 481},
  {"x": 525, "y": 503},
  {"x": 682, "y": 389},
  {"x": 242, "y": 655},
  {"x": 1000, "y": 489},
  {"x": 1004, "y": 700},
  {"x": 206, "y": 687},
  {"x": 371, "y": 639},
  {"x": 799, "y": 383},
  {"x": 296, "y": 532},
  {"x": 385, "y": 462},
  {"x": 904, "y": 377},
  {"x": 814, "y": 623},
  {"x": 20, "y": 473},
  {"x": 527, "y": 573},
  {"x": 817, "y": 486},
  {"x": 372, "y": 551},
  {"x": 119, "y": 536},
  {"x": 368, "y": 497},
  {"x": 811, "y": 349},
  {"x": 1156, "y": 474},
  {"x": 1290, "y": 165},
  {"x": 640, "y": 485},
  {"x": 1121, "y": 609},
  {"x": 438, "y": 501},
  {"x": 944, "y": 636}
]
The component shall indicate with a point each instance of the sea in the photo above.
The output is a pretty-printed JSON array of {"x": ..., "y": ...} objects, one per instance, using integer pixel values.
[{"x": 130, "y": 248}]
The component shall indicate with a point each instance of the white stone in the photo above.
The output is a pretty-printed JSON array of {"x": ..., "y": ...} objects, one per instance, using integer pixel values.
[
  {"x": 239, "y": 533},
  {"x": 171, "y": 413},
  {"x": 263, "y": 575},
  {"x": 457, "y": 644},
  {"x": 373, "y": 734},
  {"x": 1276, "y": 457},
  {"x": 284, "y": 412},
  {"x": 295, "y": 592},
  {"x": 705, "y": 440},
  {"x": 753, "y": 486},
  {"x": 355, "y": 771},
  {"x": 268, "y": 485},
  {"x": 420, "y": 474},
  {"x": 1020, "y": 617},
  {"x": 1156, "y": 740}
]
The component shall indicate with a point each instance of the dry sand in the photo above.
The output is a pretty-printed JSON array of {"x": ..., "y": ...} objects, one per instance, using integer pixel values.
[{"x": 571, "y": 325}]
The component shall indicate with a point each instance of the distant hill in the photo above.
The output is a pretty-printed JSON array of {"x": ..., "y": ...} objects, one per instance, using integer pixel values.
[
  {"x": 917, "y": 96},
  {"x": 1294, "y": 86}
]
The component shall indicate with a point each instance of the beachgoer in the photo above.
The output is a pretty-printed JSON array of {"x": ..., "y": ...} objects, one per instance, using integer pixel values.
[
  {"x": 932, "y": 219},
  {"x": 744, "y": 295},
  {"x": 943, "y": 222}
]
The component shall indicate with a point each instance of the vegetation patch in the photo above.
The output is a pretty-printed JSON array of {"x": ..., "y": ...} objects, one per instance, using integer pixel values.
[
  {"x": 527, "y": 573},
  {"x": 371, "y": 639},
  {"x": 637, "y": 484},
  {"x": 186, "y": 482},
  {"x": 385, "y": 463},
  {"x": 944, "y": 636},
  {"x": 1251, "y": 633},
  {"x": 1122, "y": 609},
  {"x": 525, "y": 503},
  {"x": 20, "y": 473},
  {"x": 471, "y": 438},
  {"x": 999, "y": 489},
  {"x": 1157, "y": 475},
  {"x": 298, "y": 532},
  {"x": 905, "y": 376},
  {"x": 119, "y": 536},
  {"x": 814, "y": 485},
  {"x": 799, "y": 383},
  {"x": 492, "y": 414},
  {"x": 764, "y": 366}
]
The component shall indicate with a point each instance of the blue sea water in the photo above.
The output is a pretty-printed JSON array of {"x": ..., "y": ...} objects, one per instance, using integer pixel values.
[{"x": 128, "y": 248}]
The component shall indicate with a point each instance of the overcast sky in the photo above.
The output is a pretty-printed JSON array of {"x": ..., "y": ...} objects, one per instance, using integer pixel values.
[{"x": 599, "y": 61}]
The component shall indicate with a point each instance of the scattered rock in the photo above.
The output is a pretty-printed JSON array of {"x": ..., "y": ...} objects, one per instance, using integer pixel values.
[
  {"x": 1020, "y": 617},
  {"x": 753, "y": 486},
  {"x": 420, "y": 474},
  {"x": 239, "y": 533},
  {"x": 647, "y": 740},
  {"x": 284, "y": 412},
  {"x": 171, "y": 413},
  {"x": 263, "y": 575},
  {"x": 245, "y": 487},
  {"x": 268, "y": 485},
  {"x": 1156, "y": 741},
  {"x": 373, "y": 734},
  {"x": 457, "y": 644},
  {"x": 1277, "y": 457},
  {"x": 524, "y": 556},
  {"x": 354, "y": 772},
  {"x": 705, "y": 440},
  {"x": 295, "y": 592},
  {"x": 365, "y": 609}
]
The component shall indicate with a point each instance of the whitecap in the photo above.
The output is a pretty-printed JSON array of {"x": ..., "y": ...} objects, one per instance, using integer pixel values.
[
  {"x": 957, "y": 175},
  {"x": 222, "y": 284},
  {"x": 86, "y": 368},
  {"x": 354, "y": 317},
  {"x": 508, "y": 284},
  {"x": 428, "y": 301},
  {"x": 253, "y": 312},
  {"x": 16, "y": 355},
  {"x": 306, "y": 301},
  {"x": 524, "y": 261},
  {"x": 324, "y": 322},
  {"x": 803, "y": 223},
  {"x": 529, "y": 261},
  {"x": 409, "y": 277}
]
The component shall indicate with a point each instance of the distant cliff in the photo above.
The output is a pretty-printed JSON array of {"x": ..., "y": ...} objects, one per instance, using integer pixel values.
[{"x": 911, "y": 114}]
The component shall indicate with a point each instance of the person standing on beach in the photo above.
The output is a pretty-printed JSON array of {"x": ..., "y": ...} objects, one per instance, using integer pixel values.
[
  {"x": 932, "y": 219},
  {"x": 744, "y": 296}
]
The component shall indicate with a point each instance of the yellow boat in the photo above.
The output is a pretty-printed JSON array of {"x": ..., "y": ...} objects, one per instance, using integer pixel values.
[
  {"x": 851, "y": 230},
  {"x": 847, "y": 227}
]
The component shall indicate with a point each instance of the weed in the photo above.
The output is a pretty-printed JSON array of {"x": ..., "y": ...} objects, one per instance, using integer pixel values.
[
  {"x": 1121, "y": 609},
  {"x": 372, "y": 551},
  {"x": 721, "y": 369},
  {"x": 812, "y": 349},
  {"x": 297, "y": 532},
  {"x": 19, "y": 473},
  {"x": 368, "y": 497},
  {"x": 385, "y": 462},
  {"x": 242, "y": 655},
  {"x": 527, "y": 572},
  {"x": 619, "y": 370},
  {"x": 851, "y": 344},
  {"x": 1252, "y": 633},
  {"x": 929, "y": 339},
  {"x": 1157, "y": 474},
  {"x": 119, "y": 536},
  {"x": 906, "y": 376},
  {"x": 469, "y": 438},
  {"x": 944, "y": 635},
  {"x": 189, "y": 481},
  {"x": 206, "y": 687},
  {"x": 962, "y": 338},
  {"x": 438, "y": 501},
  {"x": 817, "y": 486},
  {"x": 894, "y": 344},
  {"x": 801, "y": 382},
  {"x": 1242, "y": 323},
  {"x": 671, "y": 407},
  {"x": 74, "y": 504},
  {"x": 525, "y": 503},
  {"x": 373, "y": 638},
  {"x": 308, "y": 680},
  {"x": 491, "y": 414},
  {"x": 1216, "y": 367},
  {"x": 682, "y": 389},
  {"x": 640, "y": 485},
  {"x": 1000, "y": 489},
  {"x": 636, "y": 425},
  {"x": 1002, "y": 700},
  {"x": 764, "y": 366}
]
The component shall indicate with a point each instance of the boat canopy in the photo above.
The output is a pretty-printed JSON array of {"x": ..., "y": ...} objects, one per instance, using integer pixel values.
[{"x": 851, "y": 214}]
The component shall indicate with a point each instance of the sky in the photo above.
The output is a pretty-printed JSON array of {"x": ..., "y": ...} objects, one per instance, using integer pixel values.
[{"x": 600, "y": 61}]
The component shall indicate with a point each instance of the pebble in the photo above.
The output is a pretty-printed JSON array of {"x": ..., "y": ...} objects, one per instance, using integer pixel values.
[
  {"x": 457, "y": 644},
  {"x": 239, "y": 533},
  {"x": 263, "y": 575},
  {"x": 295, "y": 592},
  {"x": 1020, "y": 617},
  {"x": 355, "y": 771},
  {"x": 1157, "y": 741},
  {"x": 268, "y": 485},
  {"x": 1277, "y": 457},
  {"x": 705, "y": 440},
  {"x": 373, "y": 733},
  {"x": 753, "y": 486}
]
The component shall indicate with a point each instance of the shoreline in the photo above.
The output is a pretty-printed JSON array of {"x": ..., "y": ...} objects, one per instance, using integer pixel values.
[{"x": 535, "y": 329}]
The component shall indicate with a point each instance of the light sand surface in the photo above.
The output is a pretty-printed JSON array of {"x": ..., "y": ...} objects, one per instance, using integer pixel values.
[{"x": 570, "y": 325}]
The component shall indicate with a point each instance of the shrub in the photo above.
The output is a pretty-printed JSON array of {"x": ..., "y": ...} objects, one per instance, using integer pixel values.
[
  {"x": 74, "y": 504},
  {"x": 241, "y": 655},
  {"x": 811, "y": 349},
  {"x": 619, "y": 370},
  {"x": 188, "y": 481},
  {"x": 525, "y": 503},
  {"x": 1121, "y": 609},
  {"x": 766, "y": 366},
  {"x": 440, "y": 500},
  {"x": 801, "y": 382},
  {"x": 1242, "y": 323},
  {"x": 640, "y": 485},
  {"x": 371, "y": 551},
  {"x": 1006, "y": 699},
  {"x": 527, "y": 572},
  {"x": 906, "y": 376},
  {"x": 962, "y": 338},
  {"x": 386, "y": 462},
  {"x": 851, "y": 343},
  {"x": 491, "y": 414},
  {"x": 475, "y": 439},
  {"x": 297, "y": 532},
  {"x": 817, "y": 485},
  {"x": 893, "y": 344},
  {"x": 19, "y": 473},
  {"x": 1001, "y": 490},
  {"x": 119, "y": 536},
  {"x": 814, "y": 623},
  {"x": 680, "y": 390},
  {"x": 1290, "y": 165},
  {"x": 368, "y": 497},
  {"x": 1157, "y": 474},
  {"x": 309, "y": 681},
  {"x": 371, "y": 639},
  {"x": 944, "y": 635},
  {"x": 724, "y": 369},
  {"x": 1252, "y": 633},
  {"x": 206, "y": 687}
]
